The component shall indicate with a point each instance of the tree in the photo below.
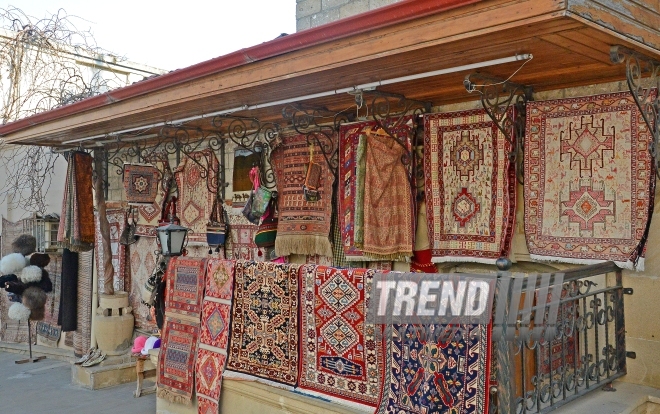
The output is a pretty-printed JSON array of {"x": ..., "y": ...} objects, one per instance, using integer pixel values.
[{"x": 44, "y": 64}]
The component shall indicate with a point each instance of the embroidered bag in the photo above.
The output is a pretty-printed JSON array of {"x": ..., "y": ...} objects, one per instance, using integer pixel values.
[
  {"x": 216, "y": 229},
  {"x": 265, "y": 236}
]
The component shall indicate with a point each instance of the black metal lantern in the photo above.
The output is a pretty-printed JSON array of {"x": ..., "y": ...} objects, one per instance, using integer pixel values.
[{"x": 172, "y": 239}]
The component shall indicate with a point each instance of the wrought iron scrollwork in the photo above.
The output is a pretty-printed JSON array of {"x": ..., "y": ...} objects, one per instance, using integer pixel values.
[
  {"x": 320, "y": 127},
  {"x": 254, "y": 136},
  {"x": 497, "y": 97},
  {"x": 643, "y": 77}
]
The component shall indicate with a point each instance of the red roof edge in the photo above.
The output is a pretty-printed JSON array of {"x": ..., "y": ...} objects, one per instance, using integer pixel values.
[{"x": 386, "y": 16}]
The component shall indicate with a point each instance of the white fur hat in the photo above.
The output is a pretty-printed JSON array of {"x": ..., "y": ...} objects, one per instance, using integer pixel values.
[
  {"x": 13, "y": 263},
  {"x": 30, "y": 274},
  {"x": 18, "y": 312}
]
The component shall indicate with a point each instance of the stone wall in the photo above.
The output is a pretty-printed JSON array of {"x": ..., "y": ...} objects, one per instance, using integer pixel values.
[{"x": 313, "y": 13}]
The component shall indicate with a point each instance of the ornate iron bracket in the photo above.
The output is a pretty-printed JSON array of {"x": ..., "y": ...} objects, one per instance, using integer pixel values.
[
  {"x": 252, "y": 135},
  {"x": 497, "y": 98},
  {"x": 643, "y": 77},
  {"x": 319, "y": 126}
]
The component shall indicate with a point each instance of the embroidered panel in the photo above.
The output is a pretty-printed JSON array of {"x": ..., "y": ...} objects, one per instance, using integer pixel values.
[
  {"x": 588, "y": 180},
  {"x": 470, "y": 187},
  {"x": 185, "y": 286}
]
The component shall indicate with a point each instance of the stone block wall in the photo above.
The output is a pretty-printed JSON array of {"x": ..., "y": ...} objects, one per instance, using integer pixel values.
[{"x": 313, "y": 13}]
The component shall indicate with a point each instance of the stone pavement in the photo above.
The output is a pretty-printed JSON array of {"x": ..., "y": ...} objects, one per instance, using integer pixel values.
[{"x": 45, "y": 387}]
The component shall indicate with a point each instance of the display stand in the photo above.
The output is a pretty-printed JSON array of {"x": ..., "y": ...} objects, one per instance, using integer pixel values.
[{"x": 30, "y": 359}]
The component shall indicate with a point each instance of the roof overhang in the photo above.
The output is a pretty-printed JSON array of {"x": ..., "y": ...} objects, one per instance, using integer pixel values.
[{"x": 406, "y": 38}]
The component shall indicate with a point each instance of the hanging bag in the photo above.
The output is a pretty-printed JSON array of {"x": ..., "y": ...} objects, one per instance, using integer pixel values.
[
  {"x": 267, "y": 232},
  {"x": 312, "y": 178},
  {"x": 127, "y": 236},
  {"x": 216, "y": 229},
  {"x": 259, "y": 198}
]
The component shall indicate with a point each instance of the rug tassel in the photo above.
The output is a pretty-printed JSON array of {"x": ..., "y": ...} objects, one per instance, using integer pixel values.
[
  {"x": 303, "y": 244},
  {"x": 173, "y": 397}
]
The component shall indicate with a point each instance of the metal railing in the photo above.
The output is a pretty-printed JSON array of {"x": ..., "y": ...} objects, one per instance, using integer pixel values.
[{"x": 587, "y": 351}]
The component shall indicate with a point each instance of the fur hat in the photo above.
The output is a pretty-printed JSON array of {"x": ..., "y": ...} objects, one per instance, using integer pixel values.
[
  {"x": 34, "y": 299},
  {"x": 30, "y": 274},
  {"x": 18, "y": 312},
  {"x": 39, "y": 259},
  {"x": 13, "y": 263},
  {"x": 24, "y": 244}
]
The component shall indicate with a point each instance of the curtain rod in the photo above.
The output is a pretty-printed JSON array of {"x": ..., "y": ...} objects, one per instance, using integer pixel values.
[{"x": 364, "y": 86}]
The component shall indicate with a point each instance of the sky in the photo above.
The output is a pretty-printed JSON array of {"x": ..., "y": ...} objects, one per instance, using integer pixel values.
[{"x": 172, "y": 34}]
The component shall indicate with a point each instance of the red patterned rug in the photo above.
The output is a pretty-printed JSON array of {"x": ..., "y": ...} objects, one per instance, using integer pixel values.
[
  {"x": 470, "y": 187},
  {"x": 142, "y": 264},
  {"x": 426, "y": 375},
  {"x": 141, "y": 182},
  {"x": 341, "y": 358},
  {"x": 149, "y": 215},
  {"x": 195, "y": 199},
  {"x": 176, "y": 361},
  {"x": 185, "y": 285},
  {"x": 264, "y": 323},
  {"x": 116, "y": 220},
  {"x": 303, "y": 226},
  {"x": 214, "y": 335},
  {"x": 589, "y": 180}
]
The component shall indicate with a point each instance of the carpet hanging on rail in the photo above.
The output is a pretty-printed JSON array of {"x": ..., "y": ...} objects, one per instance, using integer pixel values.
[
  {"x": 589, "y": 180},
  {"x": 470, "y": 187},
  {"x": 303, "y": 226}
]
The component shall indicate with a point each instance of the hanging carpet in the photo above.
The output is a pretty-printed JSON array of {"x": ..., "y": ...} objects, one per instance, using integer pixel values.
[
  {"x": 142, "y": 264},
  {"x": 470, "y": 187},
  {"x": 303, "y": 226},
  {"x": 424, "y": 375},
  {"x": 589, "y": 180},
  {"x": 214, "y": 334},
  {"x": 149, "y": 215},
  {"x": 141, "y": 183},
  {"x": 76, "y": 231},
  {"x": 195, "y": 198},
  {"x": 183, "y": 306},
  {"x": 388, "y": 201},
  {"x": 264, "y": 323},
  {"x": 341, "y": 357},
  {"x": 242, "y": 246},
  {"x": 117, "y": 221},
  {"x": 48, "y": 328},
  {"x": 82, "y": 336}
]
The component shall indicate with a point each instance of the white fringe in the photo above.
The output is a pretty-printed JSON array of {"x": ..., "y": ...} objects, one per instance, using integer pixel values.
[
  {"x": 233, "y": 375},
  {"x": 466, "y": 259},
  {"x": 336, "y": 400}
]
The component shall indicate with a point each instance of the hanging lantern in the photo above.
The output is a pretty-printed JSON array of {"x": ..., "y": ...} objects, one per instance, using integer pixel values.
[{"x": 172, "y": 237}]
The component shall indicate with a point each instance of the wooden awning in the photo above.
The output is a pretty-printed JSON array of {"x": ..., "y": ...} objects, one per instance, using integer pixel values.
[{"x": 570, "y": 42}]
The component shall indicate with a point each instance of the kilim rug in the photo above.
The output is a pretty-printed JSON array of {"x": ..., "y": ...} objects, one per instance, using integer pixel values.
[
  {"x": 76, "y": 231},
  {"x": 303, "y": 226},
  {"x": 141, "y": 182},
  {"x": 195, "y": 199},
  {"x": 264, "y": 323},
  {"x": 588, "y": 180},
  {"x": 341, "y": 357},
  {"x": 470, "y": 187},
  {"x": 424, "y": 375},
  {"x": 149, "y": 215},
  {"x": 242, "y": 237},
  {"x": 116, "y": 220},
  {"x": 185, "y": 285},
  {"x": 82, "y": 336},
  {"x": 142, "y": 264},
  {"x": 214, "y": 335},
  {"x": 560, "y": 352},
  {"x": 388, "y": 201},
  {"x": 176, "y": 360}
]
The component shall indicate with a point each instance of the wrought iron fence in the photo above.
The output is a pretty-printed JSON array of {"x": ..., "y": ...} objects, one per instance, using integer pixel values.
[{"x": 586, "y": 352}]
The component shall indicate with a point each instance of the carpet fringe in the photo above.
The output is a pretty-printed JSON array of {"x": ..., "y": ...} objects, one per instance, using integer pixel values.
[
  {"x": 173, "y": 397},
  {"x": 308, "y": 245}
]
